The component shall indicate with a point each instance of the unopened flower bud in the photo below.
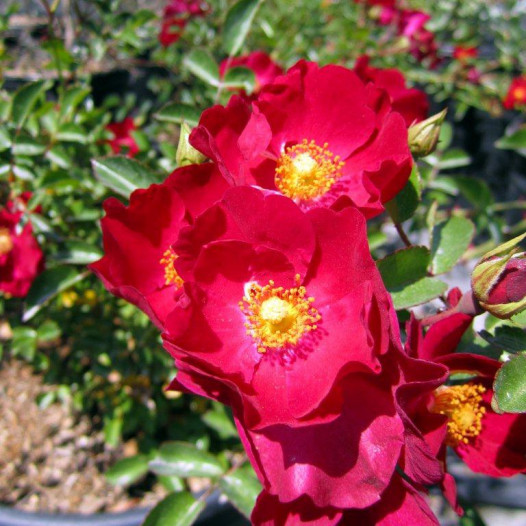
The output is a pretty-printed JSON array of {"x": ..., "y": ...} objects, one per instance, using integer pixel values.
[
  {"x": 423, "y": 136},
  {"x": 186, "y": 153},
  {"x": 499, "y": 280}
]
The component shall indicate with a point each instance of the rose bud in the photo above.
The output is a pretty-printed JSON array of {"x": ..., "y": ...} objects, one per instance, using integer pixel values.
[
  {"x": 499, "y": 280},
  {"x": 423, "y": 136},
  {"x": 186, "y": 153}
]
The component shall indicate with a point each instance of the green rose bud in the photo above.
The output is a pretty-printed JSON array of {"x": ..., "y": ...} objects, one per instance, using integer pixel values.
[{"x": 423, "y": 136}]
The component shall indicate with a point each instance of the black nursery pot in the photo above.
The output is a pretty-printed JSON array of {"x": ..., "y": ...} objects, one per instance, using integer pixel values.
[{"x": 216, "y": 513}]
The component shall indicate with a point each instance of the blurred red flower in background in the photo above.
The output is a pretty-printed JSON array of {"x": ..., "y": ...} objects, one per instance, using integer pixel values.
[
  {"x": 175, "y": 17},
  {"x": 21, "y": 259},
  {"x": 123, "y": 141},
  {"x": 516, "y": 95}
]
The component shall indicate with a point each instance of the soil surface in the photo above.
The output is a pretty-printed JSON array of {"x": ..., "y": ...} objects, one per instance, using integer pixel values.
[{"x": 51, "y": 459}]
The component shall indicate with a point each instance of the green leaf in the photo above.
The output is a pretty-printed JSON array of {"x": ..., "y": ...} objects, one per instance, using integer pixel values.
[
  {"x": 178, "y": 113},
  {"x": 78, "y": 253},
  {"x": 419, "y": 292},
  {"x": 454, "y": 158},
  {"x": 404, "y": 266},
  {"x": 112, "y": 429},
  {"x": 26, "y": 145},
  {"x": 202, "y": 65},
  {"x": 218, "y": 419},
  {"x": 24, "y": 100},
  {"x": 240, "y": 78},
  {"x": 58, "y": 155},
  {"x": 47, "y": 285},
  {"x": 71, "y": 132},
  {"x": 450, "y": 240},
  {"x": 510, "y": 385},
  {"x": 404, "y": 205},
  {"x": 185, "y": 460},
  {"x": 471, "y": 517},
  {"x": 237, "y": 25},
  {"x": 122, "y": 175},
  {"x": 171, "y": 483},
  {"x": 515, "y": 141},
  {"x": 405, "y": 277},
  {"x": 474, "y": 190},
  {"x": 5, "y": 139},
  {"x": 71, "y": 99},
  {"x": 48, "y": 331},
  {"x": 507, "y": 338},
  {"x": 177, "y": 509},
  {"x": 242, "y": 488},
  {"x": 24, "y": 342},
  {"x": 127, "y": 470}
]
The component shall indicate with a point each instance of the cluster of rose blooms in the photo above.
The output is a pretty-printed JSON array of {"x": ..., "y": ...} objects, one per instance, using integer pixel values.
[{"x": 255, "y": 266}]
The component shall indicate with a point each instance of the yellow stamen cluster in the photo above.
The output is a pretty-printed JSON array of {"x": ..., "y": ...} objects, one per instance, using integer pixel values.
[
  {"x": 462, "y": 404},
  {"x": 170, "y": 274},
  {"x": 307, "y": 171},
  {"x": 278, "y": 317},
  {"x": 6, "y": 241}
]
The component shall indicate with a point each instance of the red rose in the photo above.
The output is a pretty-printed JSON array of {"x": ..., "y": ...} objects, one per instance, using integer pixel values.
[
  {"x": 317, "y": 135},
  {"x": 400, "y": 504},
  {"x": 516, "y": 96},
  {"x": 411, "y": 103},
  {"x": 21, "y": 259},
  {"x": 264, "y": 68},
  {"x": 123, "y": 141},
  {"x": 284, "y": 317},
  {"x": 488, "y": 442},
  {"x": 138, "y": 260}
]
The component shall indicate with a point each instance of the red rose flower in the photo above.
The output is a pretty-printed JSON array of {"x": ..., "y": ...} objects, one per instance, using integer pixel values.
[
  {"x": 488, "y": 442},
  {"x": 138, "y": 260},
  {"x": 411, "y": 103},
  {"x": 123, "y": 141},
  {"x": 175, "y": 17},
  {"x": 21, "y": 259},
  {"x": 465, "y": 53},
  {"x": 284, "y": 317},
  {"x": 516, "y": 96},
  {"x": 400, "y": 504},
  {"x": 264, "y": 68},
  {"x": 317, "y": 135}
]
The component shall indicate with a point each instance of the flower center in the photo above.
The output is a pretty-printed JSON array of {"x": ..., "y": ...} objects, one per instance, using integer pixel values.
[
  {"x": 171, "y": 277},
  {"x": 6, "y": 241},
  {"x": 519, "y": 94},
  {"x": 276, "y": 316},
  {"x": 306, "y": 171},
  {"x": 462, "y": 404}
]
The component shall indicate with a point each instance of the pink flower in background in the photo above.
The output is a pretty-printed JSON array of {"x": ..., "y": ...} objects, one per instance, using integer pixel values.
[{"x": 123, "y": 141}]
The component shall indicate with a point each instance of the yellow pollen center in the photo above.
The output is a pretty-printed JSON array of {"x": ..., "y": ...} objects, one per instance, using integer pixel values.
[
  {"x": 462, "y": 404},
  {"x": 276, "y": 316},
  {"x": 307, "y": 171},
  {"x": 519, "y": 94},
  {"x": 6, "y": 241},
  {"x": 171, "y": 277}
]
